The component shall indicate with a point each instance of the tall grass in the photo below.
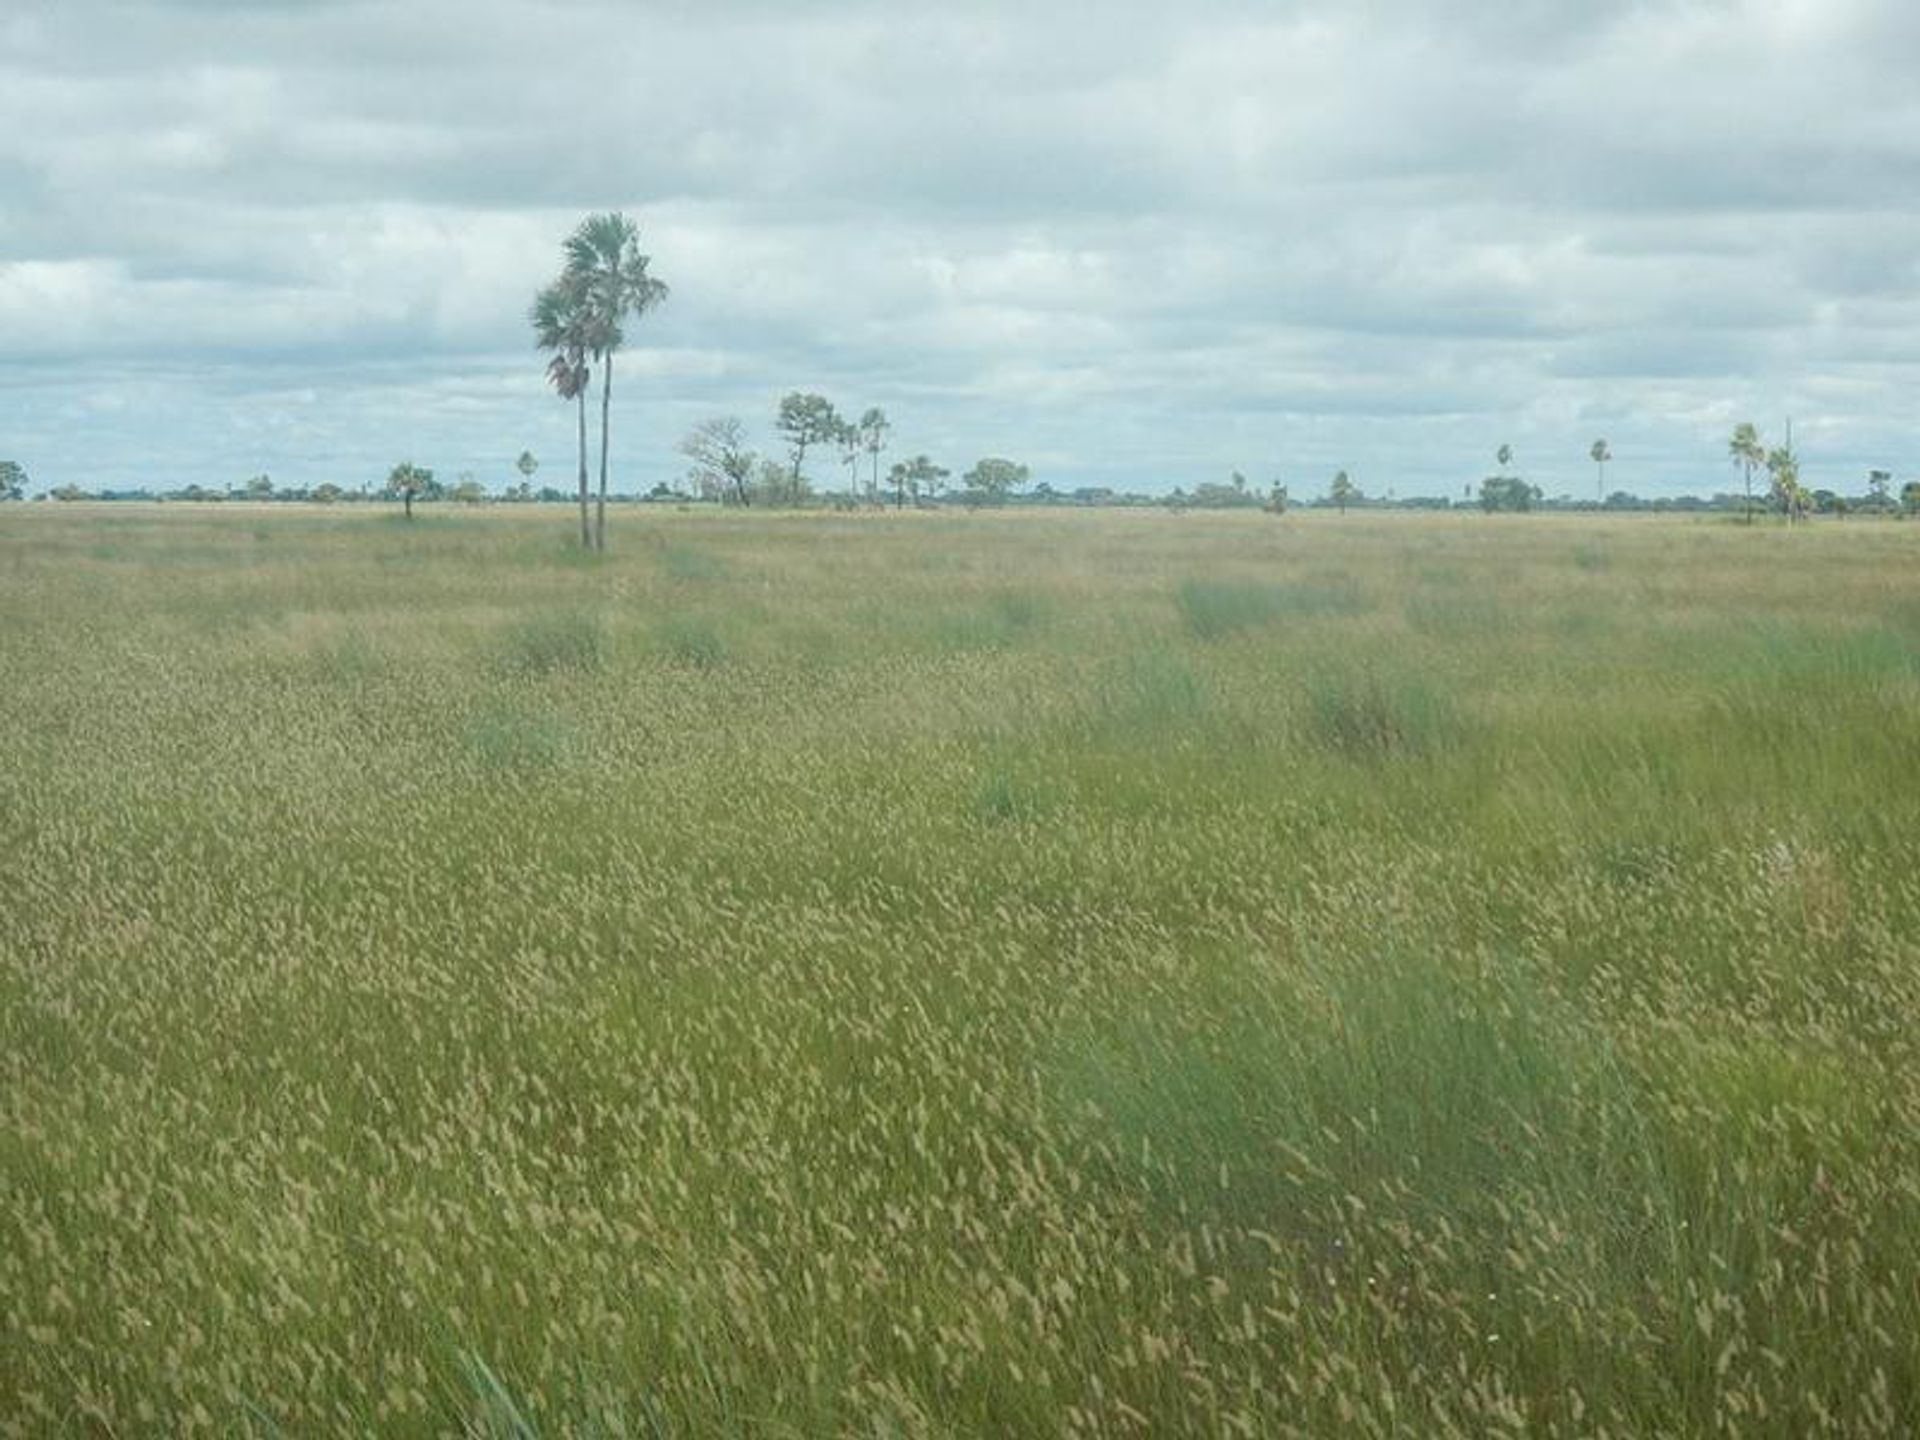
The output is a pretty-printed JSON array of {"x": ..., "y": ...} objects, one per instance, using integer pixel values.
[{"x": 950, "y": 975}]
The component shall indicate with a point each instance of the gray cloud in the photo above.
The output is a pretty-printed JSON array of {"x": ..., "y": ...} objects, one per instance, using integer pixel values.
[{"x": 1136, "y": 246}]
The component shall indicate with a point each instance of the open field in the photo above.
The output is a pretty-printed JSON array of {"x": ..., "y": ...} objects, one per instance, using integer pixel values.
[{"x": 1108, "y": 973}]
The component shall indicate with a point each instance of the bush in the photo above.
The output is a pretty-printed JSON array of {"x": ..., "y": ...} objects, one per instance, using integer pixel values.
[
  {"x": 548, "y": 644},
  {"x": 1214, "y": 608}
]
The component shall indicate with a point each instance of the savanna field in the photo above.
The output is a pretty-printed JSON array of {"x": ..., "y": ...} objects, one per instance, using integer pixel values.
[{"x": 1044, "y": 972}]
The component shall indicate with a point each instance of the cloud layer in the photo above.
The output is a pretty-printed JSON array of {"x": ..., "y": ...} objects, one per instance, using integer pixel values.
[{"x": 1129, "y": 247}]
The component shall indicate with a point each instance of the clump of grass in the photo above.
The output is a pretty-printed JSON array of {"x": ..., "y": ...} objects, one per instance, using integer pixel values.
[
  {"x": 1007, "y": 797},
  {"x": 1216, "y": 608},
  {"x": 1591, "y": 558},
  {"x": 566, "y": 641},
  {"x": 684, "y": 562},
  {"x": 997, "y": 623},
  {"x": 512, "y": 740},
  {"x": 1452, "y": 613},
  {"x": 347, "y": 658},
  {"x": 1368, "y": 714},
  {"x": 691, "y": 640}
]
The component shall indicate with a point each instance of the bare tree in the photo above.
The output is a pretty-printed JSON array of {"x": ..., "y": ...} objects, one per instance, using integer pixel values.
[{"x": 721, "y": 459}]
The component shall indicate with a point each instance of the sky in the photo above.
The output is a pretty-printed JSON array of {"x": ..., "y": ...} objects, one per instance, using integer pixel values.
[{"x": 1134, "y": 245}]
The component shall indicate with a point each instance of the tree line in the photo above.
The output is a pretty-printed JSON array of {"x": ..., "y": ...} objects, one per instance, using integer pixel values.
[
  {"x": 605, "y": 283},
  {"x": 725, "y": 468}
]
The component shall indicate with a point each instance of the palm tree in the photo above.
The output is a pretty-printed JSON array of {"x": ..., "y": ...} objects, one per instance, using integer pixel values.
[
  {"x": 1600, "y": 454},
  {"x": 561, "y": 325},
  {"x": 1343, "y": 491},
  {"x": 851, "y": 442},
  {"x": 873, "y": 438},
  {"x": 1788, "y": 493},
  {"x": 1746, "y": 451},
  {"x": 603, "y": 260}
]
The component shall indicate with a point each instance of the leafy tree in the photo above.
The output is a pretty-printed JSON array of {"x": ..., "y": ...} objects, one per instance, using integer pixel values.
[
  {"x": 874, "y": 430},
  {"x": 1787, "y": 493},
  {"x": 1343, "y": 492},
  {"x": 804, "y": 421},
  {"x": 562, "y": 326},
  {"x": 1278, "y": 499},
  {"x": 327, "y": 493},
  {"x": 775, "y": 485},
  {"x": 1211, "y": 495},
  {"x": 69, "y": 491},
  {"x": 1746, "y": 451},
  {"x": 917, "y": 476},
  {"x": 13, "y": 480},
  {"x": 991, "y": 480},
  {"x": 722, "y": 463},
  {"x": 1507, "y": 492},
  {"x": 467, "y": 490},
  {"x": 259, "y": 488},
  {"x": 604, "y": 262},
  {"x": 1878, "y": 483},
  {"x": 1600, "y": 453},
  {"x": 526, "y": 465},
  {"x": 1910, "y": 497},
  {"x": 408, "y": 480}
]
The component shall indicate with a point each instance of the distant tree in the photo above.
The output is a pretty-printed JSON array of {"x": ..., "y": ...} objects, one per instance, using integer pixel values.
[
  {"x": 1910, "y": 497},
  {"x": 1343, "y": 492},
  {"x": 69, "y": 491},
  {"x": 605, "y": 266},
  {"x": 803, "y": 422},
  {"x": 1278, "y": 499},
  {"x": 326, "y": 493},
  {"x": 1878, "y": 484},
  {"x": 1504, "y": 455},
  {"x": 259, "y": 488},
  {"x": 1239, "y": 482},
  {"x": 1600, "y": 453},
  {"x": 1746, "y": 451},
  {"x": 874, "y": 430},
  {"x": 992, "y": 480},
  {"x": 914, "y": 477},
  {"x": 563, "y": 326},
  {"x": 408, "y": 480},
  {"x": 1787, "y": 493},
  {"x": 776, "y": 485},
  {"x": 721, "y": 460},
  {"x": 13, "y": 480},
  {"x": 852, "y": 444},
  {"x": 1507, "y": 492},
  {"x": 467, "y": 490},
  {"x": 527, "y": 464}
]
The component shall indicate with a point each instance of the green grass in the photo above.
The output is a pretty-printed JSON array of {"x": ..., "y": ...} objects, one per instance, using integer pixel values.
[{"x": 935, "y": 975}]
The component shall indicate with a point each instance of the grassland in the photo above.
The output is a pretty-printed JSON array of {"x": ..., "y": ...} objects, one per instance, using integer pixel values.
[{"x": 931, "y": 975}]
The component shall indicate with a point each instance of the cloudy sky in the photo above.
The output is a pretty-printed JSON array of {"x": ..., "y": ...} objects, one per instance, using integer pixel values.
[{"x": 1133, "y": 244}]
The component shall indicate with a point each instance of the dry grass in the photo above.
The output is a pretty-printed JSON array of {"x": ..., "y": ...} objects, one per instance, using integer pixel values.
[{"x": 934, "y": 975}]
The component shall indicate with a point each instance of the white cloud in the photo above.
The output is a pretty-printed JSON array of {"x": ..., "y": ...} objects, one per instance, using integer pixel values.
[{"x": 1147, "y": 245}]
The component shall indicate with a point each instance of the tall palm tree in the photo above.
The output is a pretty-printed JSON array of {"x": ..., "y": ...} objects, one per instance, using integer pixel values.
[
  {"x": 603, "y": 258},
  {"x": 1600, "y": 454},
  {"x": 561, "y": 325},
  {"x": 1746, "y": 451},
  {"x": 873, "y": 438}
]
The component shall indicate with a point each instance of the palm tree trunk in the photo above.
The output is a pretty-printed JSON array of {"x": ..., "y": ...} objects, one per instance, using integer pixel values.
[
  {"x": 407, "y": 495},
  {"x": 606, "y": 406},
  {"x": 586, "y": 535}
]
